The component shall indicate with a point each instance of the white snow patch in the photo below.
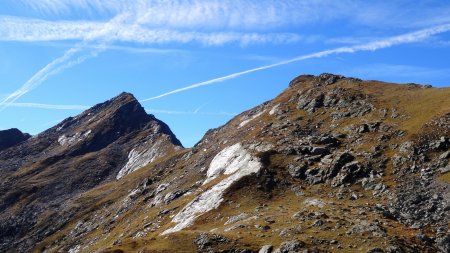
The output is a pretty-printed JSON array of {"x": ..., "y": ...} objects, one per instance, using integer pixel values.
[
  {"x": 274, "y": 109},
  {"x": 138, "y": 159},
  {"x": 234, "y": 160},
  {"x": 245, "y": 122}
]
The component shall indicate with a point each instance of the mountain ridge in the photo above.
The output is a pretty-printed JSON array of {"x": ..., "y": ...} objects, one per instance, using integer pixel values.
[
  {"x": 75, "y": 155},
  {"x": 331, "y": 164}
]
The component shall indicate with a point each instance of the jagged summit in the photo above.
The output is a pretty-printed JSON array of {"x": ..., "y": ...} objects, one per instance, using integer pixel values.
[
  {"x": 114, "y": 118},
  {"x": 116, "y": 102},
  {"x": 123, "y": 111},
  {"x": 125, "y": 95}
]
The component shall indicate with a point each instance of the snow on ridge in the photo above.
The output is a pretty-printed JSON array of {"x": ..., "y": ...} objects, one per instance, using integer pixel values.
[
  {"x": 138, "y": 159},
  {"x": 234, "y": 161}
]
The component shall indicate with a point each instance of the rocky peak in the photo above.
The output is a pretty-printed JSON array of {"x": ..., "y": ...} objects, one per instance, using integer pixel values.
[
  {"x": 324, "y": 79},
  {"x": 122, "y": 111},
  {"x": 107, "y": 122},
  {"x": 105, "y": 142},
  {"x": 119, "y": 104},
  {"x": 11, "y": 137}
]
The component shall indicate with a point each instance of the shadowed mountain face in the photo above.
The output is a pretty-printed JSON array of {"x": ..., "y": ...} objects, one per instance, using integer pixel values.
[
  {"x": 11, "y": 137},
  {"x": 40, "y": 176},
  {"x": 333, "y": 164}
]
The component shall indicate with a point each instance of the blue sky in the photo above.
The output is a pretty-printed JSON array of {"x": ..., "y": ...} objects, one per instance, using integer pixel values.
[{"x": 196, "y": 64}]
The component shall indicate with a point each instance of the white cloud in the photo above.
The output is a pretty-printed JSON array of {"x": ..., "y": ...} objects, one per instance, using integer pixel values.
[
  {"x": 254, "y": 14},
  {"x": 371, "y": 46},
  {"x": 211, "y": 22},
  {"x": 30, "y": 30},
  {"x": 236, "y": 14},
  {"x": 66, "y": 6}
]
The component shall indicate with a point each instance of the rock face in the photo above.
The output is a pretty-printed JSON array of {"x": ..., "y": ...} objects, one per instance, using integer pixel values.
[
  {"x": 11, "y": 137},
  {"x": 332, "y": 164},
  {"x": 41, "y": 176}
]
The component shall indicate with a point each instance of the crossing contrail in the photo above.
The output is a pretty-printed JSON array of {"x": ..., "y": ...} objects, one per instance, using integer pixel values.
[
  {"x": 371, "y": 46},
  {"x": 67, "y": 60},
  {"x": 50, "y": 106},
  {"x": 85, "y": 107}
]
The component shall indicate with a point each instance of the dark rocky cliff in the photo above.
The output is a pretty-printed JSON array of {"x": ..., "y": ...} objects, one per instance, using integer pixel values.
[{"x": 11, "y": 137}]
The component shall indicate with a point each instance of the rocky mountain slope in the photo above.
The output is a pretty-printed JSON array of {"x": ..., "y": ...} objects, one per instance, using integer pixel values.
[
  {"x": 333, "y": 164},
  {"x": 40, "y": 177}
]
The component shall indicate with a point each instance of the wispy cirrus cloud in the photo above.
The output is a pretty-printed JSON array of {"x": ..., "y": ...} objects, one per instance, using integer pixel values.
[
  {"x": 371, "y": 46},
  {"x": 126, "y": 26},
  {"x": 32, "y": 30},
  {"x": 236, "y": 14},
  {"x": 211, "y": 22},
  {"x": 255, "y": 14},
  {"x": 54, "y": 7}
]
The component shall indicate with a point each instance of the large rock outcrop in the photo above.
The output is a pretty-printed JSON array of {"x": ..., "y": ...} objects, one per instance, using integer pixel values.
[{"x": 11, "y": 137}]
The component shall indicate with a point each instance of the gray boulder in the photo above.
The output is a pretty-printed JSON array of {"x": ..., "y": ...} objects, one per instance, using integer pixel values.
[
  {"x": 298, "y": 171},
  {"x": 293, "y": 246}
]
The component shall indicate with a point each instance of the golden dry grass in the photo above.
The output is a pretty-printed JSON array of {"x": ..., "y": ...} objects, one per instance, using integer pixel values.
[{"x": 419, "y": 106}]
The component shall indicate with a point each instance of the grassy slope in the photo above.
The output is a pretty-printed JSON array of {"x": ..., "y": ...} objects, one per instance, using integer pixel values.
[{"x": 418, "y": 105}]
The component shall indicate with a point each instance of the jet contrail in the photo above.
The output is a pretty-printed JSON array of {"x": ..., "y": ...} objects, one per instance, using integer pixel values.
[
  {"x": 372, "y": 46},
  {"x": 85, "y": 107},
  {"x": 52, "y": 68},
  {"x": 65, "y": 61},
  {"x": 196, "y": 112},
  {"x": 50, "y": 106}
]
